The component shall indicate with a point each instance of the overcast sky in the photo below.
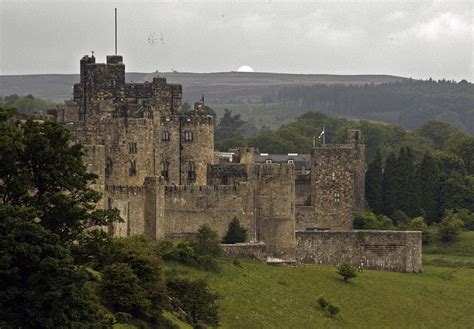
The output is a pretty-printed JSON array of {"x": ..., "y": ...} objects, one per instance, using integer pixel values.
[{"x": 411, "y": 39}]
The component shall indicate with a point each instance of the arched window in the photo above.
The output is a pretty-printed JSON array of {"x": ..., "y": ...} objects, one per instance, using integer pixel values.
[
  {"x": 109, "y": 167},
  {"x": 166, "y": 136},
  {"x": 132, "y": 170},
  {"x": 337, "y": 197}
]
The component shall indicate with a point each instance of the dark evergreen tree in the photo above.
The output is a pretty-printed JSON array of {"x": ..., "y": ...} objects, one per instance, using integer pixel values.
[
  {"x": 373, "y": 184},
  {"x": 428, "y": 184},
  {"x": 236, "y": 233},
  {"x": 229, "y": 126},
  {"x": 390, "y": 184},
  {"x": 406, "y": 187}
]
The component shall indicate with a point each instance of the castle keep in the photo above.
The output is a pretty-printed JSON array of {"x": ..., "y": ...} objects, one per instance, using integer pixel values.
[{"x": 156, "y": 164}]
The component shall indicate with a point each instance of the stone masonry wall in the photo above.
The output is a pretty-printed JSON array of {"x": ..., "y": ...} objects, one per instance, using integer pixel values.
[
  {"x": 305, "y": 218},
  {"x": 398, "y": 251},
  {"x": 188, "y": 207},
  {"x": 246, "y": 250}
]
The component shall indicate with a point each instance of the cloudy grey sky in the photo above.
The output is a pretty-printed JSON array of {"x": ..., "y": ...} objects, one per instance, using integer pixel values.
[{"x": 408, "y": 38}]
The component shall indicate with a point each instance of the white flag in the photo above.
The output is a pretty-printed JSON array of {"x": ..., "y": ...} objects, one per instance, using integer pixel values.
[{"x": 322, "y": 133}]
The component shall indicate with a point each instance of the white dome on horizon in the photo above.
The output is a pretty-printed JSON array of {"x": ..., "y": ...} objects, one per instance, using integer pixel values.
[{"x": 245, "y": 68}]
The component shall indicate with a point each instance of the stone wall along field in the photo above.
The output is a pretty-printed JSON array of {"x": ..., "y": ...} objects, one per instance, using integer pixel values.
[{"x": 398, "y": 251}]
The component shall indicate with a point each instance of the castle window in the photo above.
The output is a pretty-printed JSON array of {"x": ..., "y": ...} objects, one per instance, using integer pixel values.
[
  {"x": 192, "y": 172},
  {"x": 291, "y": 161},
  {"x": 109, "y": 167},
  {"x": 132, "y": 170},
  {"x": 337, "y": 197},
  {"x": 188, "y": 136},
  {"x": 164, "y": 169},
  {"x": 132, "y": 148},
  {"x": 268, "y": 161},
  {"x": 166, "y": 136},
  {"x": 333, "y": 176},
  {"x": 114, "y": 83}
]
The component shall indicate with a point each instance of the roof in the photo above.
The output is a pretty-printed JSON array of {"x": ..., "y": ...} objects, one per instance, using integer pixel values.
[{"x": 300, "y": 160}]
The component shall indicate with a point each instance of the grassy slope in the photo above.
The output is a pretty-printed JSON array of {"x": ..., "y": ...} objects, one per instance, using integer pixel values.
[
  {"x": 459, "y": 253},
  {"x": 260, "y": 296}
]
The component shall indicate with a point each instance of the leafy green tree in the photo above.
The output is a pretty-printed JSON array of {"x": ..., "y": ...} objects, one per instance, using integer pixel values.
[
  {"x": 236, "y": 233},
  {"x": 347, "y": 271},
  {"x": 450, "y": 226},
  {"x": 207, "y": 241},
  {"x": 121, "y": 291},
  {"x": 373, "y": 184},
  {"x": 41, "y": 169},
  {"x": 41, "y": 286},
  {"x": 195, "y": 299},
  {"x": 436, "y": 131},
  {"x": 428, "y": 184}
]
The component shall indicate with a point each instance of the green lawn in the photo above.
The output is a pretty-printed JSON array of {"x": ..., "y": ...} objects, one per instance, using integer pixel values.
[{"x": 260, "y": 296}]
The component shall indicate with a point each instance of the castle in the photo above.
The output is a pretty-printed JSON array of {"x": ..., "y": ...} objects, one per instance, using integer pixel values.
[{"x": 157, "y": 166}]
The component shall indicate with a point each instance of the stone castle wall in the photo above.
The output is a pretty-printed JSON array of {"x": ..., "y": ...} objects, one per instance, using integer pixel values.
[
  {"x": 188, "y": 207},
  {"x": 382, "y": 250},
  {"x": 245, "y": 250}
]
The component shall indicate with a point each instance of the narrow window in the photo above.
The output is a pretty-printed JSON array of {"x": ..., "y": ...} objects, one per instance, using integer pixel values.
[
  {"x": 109, "y": 167},
  {"x": 164, "y": 169},
  {"x": 291, "y": 161},
  {"x": 188, "y": 136},
  {"x": 132, "y": 148},
  {"x": 268, "y": 161},
  {"x": 333, "y": 176},
  {"x": 192, "y": 172},
  {"x": 337, "y": 197},
  {"x": 114, "y": 83},
  {"x": 132, "y": 170},
  {"x": 166, "y": 136}
]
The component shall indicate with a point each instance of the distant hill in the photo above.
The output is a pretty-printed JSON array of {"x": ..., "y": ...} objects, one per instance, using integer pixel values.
[{"x": 217, "y": 87}]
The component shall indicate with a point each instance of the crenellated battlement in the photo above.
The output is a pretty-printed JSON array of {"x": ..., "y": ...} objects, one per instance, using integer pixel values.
[
  {"x": 210, "y": 191},
  {"x": 125, "y": 189}
]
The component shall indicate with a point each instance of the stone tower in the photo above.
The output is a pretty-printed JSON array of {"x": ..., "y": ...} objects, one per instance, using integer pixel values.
[{"x": 337, "y": 182}]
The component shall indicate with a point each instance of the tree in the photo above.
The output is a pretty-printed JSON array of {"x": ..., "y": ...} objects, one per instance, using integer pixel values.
[
  {"x": 428, "y": 183},
  {"x": 347, "y": 271},
  {"x": 450, "y": 226},
  {"x": 229, "y": 126},
  {"x": 390, "y": 185},
  {"x": 41, "y": 169},
  {"x": 406, "y": 189},
  {"x": 236, "y": 233},
  {"x": 370, "y": 221},
  {"x": 120, "y": 289},
  {"x": 207, "y": 241},
  {"x": 195, "y": 299},
  {"x": 373, "y": 184},
  {"x": 41, "y": 285}
]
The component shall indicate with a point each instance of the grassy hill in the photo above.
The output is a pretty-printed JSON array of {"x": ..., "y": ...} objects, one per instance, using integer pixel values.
[{"x": 260, "y": 296}]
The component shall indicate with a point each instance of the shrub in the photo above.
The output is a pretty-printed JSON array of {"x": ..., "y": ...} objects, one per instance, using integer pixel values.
[
  {"x": 419, "y": 224},
  {"x": 236, "y": 233},
  {"x": 207, "y": 242},
  {"x": 400, "y": 218},
  {"x": 120, "y": 289},
  {"x": 333, "y": 310},
  {"x": 195, "y": 299},
  {"x": 347, "y": 271},
  {"x": 370, "y": 221},
  {"x": 450, "y": 226},
  {"x": 467, "y": 218},
  {"x": 322, "y": 302}
]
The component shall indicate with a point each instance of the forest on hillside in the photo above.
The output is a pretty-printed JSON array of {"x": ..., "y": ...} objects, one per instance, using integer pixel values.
[{"x": 409, "y": 103}]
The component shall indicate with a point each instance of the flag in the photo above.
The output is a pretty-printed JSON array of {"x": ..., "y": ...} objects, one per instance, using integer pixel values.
[{"x": 322, "y": 133}]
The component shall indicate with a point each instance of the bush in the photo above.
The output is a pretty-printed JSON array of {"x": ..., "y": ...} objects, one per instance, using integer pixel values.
[
  {"x": 333, "y": 310},
  {"x": 370, "y": 221},
  {"x": 195, "y": 299},
  {"x": 419, "y": 224},
  {"x": 347, "y": 271},
  {"x": 399, "y": 218},
  {"x": 207, "y": 242},
  {"x": 120, "y": 289},
  {"x": 467, "y": 218},
  {"x": 236, "y": 233},
  {"x": 184, "y": 252},
  {"x": 322, "y": 302},
  {"x": 450, "y": 226}
]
